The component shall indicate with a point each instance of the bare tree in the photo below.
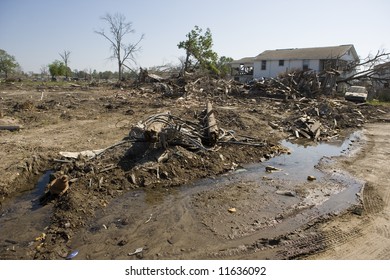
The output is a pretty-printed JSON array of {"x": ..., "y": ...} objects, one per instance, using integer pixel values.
[
  {"x": 370, "y": 68},
  {"x": 44, "y": 71},
  {"x": 65, "y": 58},
  {"x": 118, "y": 29}
]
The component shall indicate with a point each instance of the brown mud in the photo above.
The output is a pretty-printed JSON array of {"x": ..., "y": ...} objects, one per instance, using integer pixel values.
[{"x": 179, "y": 203}]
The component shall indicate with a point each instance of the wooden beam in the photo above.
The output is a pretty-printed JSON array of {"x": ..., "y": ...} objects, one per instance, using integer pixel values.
[{"x": 212, "y": 128}]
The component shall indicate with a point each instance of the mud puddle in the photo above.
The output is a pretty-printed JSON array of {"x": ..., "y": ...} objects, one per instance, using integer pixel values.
[
  {"x": 23, "y": 220},
  {"x": 202, "y": 219}
]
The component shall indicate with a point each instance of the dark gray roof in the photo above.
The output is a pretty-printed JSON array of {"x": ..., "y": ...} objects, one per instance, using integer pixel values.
[
  {"x": 307, "y": 53},
  {"x": 385, "y": 65},
  {"x": 245, "y": 60}
]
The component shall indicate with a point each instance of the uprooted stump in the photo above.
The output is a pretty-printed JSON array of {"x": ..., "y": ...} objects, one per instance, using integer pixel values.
[
  {"x": 166, "y": 129},
  {"x": 55, "y": 188},
  {"x": 212, "y": 128}
]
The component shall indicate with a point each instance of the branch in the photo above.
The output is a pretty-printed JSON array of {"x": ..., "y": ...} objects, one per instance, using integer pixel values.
[
  {"x": 374, "y": 66},
  {"x": 65, "y": 57},
  {"x": 132, "y": 48},
  {"x": 105, "y": 36}
]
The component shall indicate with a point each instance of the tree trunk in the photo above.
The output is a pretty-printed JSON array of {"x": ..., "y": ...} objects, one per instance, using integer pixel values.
[
  {"x": 120, "y": 70},
  {"x": 212, "y": 128},
  {"x": 187, "y": 61}
]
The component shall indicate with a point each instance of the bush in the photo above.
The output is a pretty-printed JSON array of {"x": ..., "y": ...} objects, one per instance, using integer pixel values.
[{"x": 384, "y": 95}]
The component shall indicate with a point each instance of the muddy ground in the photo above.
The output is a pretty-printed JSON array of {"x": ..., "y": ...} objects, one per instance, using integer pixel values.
[{"x": 141, "y": 195}]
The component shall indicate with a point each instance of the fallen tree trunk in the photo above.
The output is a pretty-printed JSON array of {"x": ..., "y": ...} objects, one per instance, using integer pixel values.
[{"x": 212, "y": 128}]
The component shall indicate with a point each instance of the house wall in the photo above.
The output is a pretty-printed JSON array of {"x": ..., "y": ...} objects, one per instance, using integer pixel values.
[
  {"x": 348, "y": 57},
  {"x": 273, "y": 69}
]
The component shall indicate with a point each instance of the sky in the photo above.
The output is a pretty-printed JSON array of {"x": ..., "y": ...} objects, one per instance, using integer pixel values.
[{"x": 36, "y": 31}]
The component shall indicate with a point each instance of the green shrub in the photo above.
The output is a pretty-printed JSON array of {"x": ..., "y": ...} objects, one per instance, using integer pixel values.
[{"x": 384, "y": 95}]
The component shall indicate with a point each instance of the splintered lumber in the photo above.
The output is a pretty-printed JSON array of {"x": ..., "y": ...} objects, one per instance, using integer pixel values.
[
  {"x": 212, "y": 128},
  {"x": 314, "y": 127},
  {"x": 304, "y": 133}
]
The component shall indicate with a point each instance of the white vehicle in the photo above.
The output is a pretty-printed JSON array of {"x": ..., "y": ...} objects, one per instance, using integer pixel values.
[{"x": 356, "y": 93}]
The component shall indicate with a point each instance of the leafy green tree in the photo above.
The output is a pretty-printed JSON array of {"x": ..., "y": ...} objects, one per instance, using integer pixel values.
[
  {"x": 65, "y": 57},
  {"x": 199, "y": 53},
  {"x": 106, "y": 75},
  {"x": 223, "y": 65},
  {"x": 58, "y": 68},
  {"x": 95, "y": 74},
  {"x": 8, "y": 63}
]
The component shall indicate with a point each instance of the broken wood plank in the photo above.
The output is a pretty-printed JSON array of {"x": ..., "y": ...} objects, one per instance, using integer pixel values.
[
  {"x": 317, "y": 135},
  {"x": 273, "y": 125},
  {"x": 10, "y": 127},
  {"x": 314, "y": 127},
  {"x": 304, "y": 133}
]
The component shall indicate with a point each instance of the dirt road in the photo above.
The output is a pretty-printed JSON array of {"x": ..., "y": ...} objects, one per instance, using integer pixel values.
[{"x": 367, "y": 236}]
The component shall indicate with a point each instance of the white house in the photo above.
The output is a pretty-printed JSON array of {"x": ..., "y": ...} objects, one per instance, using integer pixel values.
[
  {"x": 242, "y": 69},
  {"x": 271, "y": 63},
  {"x": 382, "y": 75}
]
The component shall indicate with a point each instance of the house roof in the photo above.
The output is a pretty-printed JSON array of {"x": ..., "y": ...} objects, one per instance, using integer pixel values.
[
  {"x": 308, "y": 53},
  {"x": 384, "y": 65},
  {"x": 245, "y": 60}
]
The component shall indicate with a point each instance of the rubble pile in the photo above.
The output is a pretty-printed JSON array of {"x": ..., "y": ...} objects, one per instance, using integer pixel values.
[
  {"x": 322, "y": 119},
  {"x": 165, "y": 129},
  {"x": 291, "y": 85},
  {"x": 191, "y": 85},
  {"x": 295, "y": 84},
  {"x": 312, "y": 113}
]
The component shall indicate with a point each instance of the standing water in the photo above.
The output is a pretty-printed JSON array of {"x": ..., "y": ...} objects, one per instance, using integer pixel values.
[
  {"x": 23, "y": 219},
  {"x": 244, "y": 205}
]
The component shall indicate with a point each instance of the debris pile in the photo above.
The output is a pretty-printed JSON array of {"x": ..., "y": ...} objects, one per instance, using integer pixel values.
[
  {"x": 296, "y": 84},
  {"x": 322, "y": 119},
  {"x": 290, "y": 85},
  {"x": 166, "y": 130},
  {"x": 189, "y": 86},
  {"x": 313, "y": 115}
]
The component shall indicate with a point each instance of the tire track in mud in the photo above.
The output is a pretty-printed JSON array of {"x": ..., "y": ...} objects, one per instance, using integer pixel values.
[
  {"x": 372, "y": 201},
  {"x": 383, "y": 230},
  {"x": 375, "y": 200},
  {"x": 317, "y": 242},
  {"x": 371, "y": 164},
  {"x": 281, "y": 248}
]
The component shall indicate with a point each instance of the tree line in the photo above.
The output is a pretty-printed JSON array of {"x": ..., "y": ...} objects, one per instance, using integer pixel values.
[{"x": 198, "y": 47}]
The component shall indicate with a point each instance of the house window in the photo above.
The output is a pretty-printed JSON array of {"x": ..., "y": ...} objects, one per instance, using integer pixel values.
[
  {"x": 281, "y": 62},
  {"x": 263, "y": 65},
  {"x": 305, "y": 64}
]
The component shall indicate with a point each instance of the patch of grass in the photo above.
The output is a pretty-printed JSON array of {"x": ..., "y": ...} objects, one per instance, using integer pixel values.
[
  {"x": 384, "y": 95},
  {"x": 376, "y": 102}
]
